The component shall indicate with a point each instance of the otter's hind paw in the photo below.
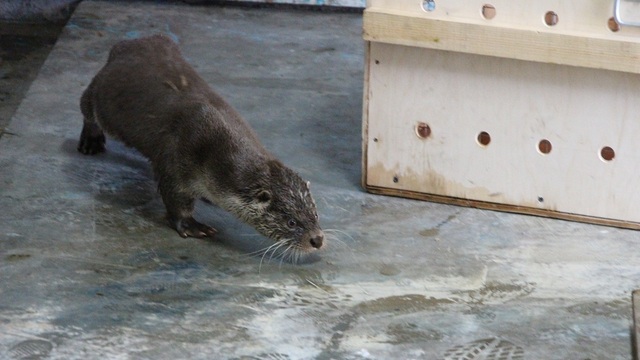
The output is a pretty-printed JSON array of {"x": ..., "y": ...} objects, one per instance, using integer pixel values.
[{"x": 190, "y": 227}]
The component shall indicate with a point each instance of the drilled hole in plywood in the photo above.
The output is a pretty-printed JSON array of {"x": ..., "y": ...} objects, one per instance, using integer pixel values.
[
  {"x": 488, "y": 11},
  {"x": 428, "y": 5},
  {"x": 544, "y": 146},
  {"x": 613, "y": 25},
  {"x": 483, "y": 138},
  {"x": 607, "y": 153},
  {"x": 551, "y": 18},
  {"x": 423, "y": 130}
]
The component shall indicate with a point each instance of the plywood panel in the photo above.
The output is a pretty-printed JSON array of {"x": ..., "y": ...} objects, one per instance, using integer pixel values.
[
  {"x": 582, "y": 35},
  {"x": 518, "y": 103}
]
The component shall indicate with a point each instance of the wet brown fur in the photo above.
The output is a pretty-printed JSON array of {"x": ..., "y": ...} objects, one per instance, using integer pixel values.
[{"x": 150, "y": 98}]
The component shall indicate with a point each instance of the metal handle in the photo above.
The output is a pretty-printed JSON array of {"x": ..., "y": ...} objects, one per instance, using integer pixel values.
[{"x": 618, "y": 17}]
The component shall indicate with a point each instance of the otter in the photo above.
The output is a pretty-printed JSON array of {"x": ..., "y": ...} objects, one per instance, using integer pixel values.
[{"x": 150, "y": 98}]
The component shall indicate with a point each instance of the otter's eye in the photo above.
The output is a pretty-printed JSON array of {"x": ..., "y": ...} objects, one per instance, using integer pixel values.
[{"x": 291, "y": 223}]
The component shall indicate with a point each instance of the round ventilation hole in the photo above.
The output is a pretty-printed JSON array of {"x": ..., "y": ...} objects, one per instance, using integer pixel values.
[
  {"x": 483, "y": 138},
  {"x": 423, "y": 130},
  {"x": 488, "y": 11},
  {"x": 428, "y": 5},
  {"x": 613, "y": 25},
  {"x": 607, "y": 153},
  {"x": 551, "y": 18},
  {"x": 544, "y": 146}
]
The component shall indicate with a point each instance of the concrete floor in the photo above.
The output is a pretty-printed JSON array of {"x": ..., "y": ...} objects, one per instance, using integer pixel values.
[
  {"x": 89, "y": 269},
  {"x": 20, "y": 59}
]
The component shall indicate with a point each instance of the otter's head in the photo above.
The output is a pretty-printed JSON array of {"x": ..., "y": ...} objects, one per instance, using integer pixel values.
[{"x": 278, "y": 204}]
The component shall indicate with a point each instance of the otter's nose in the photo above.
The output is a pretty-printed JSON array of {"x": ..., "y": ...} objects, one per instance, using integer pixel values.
[{"x": 317, "y": 240}]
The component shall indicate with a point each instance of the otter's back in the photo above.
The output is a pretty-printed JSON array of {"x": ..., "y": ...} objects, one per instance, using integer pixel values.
[{"x": 147, "y": 92}]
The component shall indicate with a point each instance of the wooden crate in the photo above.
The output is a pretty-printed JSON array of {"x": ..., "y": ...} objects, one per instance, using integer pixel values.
[{"x": 535, "y": 110}]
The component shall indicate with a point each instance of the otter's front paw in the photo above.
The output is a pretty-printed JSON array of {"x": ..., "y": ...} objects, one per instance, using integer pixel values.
[
  {"x": 91, "y": 144},
  {"x": 190, "y": 227}
]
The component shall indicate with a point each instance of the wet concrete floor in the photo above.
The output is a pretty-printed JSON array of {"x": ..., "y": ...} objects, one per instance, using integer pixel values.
[{"x": 90, "y": 270}]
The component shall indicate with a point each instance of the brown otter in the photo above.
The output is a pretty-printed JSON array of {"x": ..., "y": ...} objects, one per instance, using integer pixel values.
[{"x": 150, "y": 98}]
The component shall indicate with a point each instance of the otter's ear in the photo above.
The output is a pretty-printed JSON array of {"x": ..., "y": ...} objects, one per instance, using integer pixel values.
[
  {"x": 264, "y": 196},
  {"x": 308, "y": 185}
]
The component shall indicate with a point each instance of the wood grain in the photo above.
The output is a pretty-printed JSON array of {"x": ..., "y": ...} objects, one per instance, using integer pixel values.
[
  {"x": 567, "y": 47},
  {"x": 510, "y": 209},
  {"x": 577, "y": 112}
]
